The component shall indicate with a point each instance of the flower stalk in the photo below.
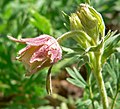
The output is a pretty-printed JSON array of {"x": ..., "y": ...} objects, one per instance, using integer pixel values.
[
  {"x": 90, "y": 91},
  {"x": 49, "y": 82},
  {"x": 100, "y": 82}
]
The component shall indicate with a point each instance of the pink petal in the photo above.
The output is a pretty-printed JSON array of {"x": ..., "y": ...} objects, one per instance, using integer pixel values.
[
  {"x": 55, "y": 52},
  {"x": 36, "y": 66},
  {"x": 40, "y": 40},
  {"x": 16, "y": 40},
  {"x": 24, "y": 50},
  {"x": 26, "y": 54},
  {"x": 39, "y": 54}
]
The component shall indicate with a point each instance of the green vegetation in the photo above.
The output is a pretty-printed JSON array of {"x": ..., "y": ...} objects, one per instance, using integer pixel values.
[{"x": 30, "y": 18}]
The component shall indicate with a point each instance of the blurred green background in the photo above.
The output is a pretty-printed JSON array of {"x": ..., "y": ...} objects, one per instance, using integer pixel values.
[{"x": 30, "y": 18}]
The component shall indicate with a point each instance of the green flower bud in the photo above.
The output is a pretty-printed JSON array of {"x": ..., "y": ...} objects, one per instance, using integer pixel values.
[
  {"x": 89, "y": 20},
  {"x": 75, "y": 23},
  {"x": 86, "y": 17}
]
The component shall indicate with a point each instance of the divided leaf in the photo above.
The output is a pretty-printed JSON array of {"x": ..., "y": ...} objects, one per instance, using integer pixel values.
[{"x": 76, "y": 79}]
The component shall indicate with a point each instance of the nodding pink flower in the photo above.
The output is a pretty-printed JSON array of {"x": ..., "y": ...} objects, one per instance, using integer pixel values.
[{"x": 40, "y": 52}]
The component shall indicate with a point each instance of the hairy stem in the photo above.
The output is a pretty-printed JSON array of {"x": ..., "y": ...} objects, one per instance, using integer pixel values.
[
  {"x": 98, "y": 75},
  {"x": 90, "y": 91}
]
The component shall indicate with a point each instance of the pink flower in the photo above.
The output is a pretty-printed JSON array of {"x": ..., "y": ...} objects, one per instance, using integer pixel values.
[{"x": 40, "y": 52}]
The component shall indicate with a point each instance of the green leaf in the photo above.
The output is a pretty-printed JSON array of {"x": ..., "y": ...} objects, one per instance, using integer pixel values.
[
  {"x": 110, "y": 46},
  {"x": 67, "y": 22},
  {"x": 95, "y": 48},
  {"x": 78, "y": 49},
  {"x": 69, "y": 55},
  {"x": 76, "y": 82},
  {"x": 71, "y": 73},
  {"x": 77, "y": 78},
  {"x": 108, "y": 87},
  {"x": 79, "y": 75},
  {"x": 113, "y": 68},
  {"x": 110, "y": 71},
  {"x": 41, "y": 22},
  {"x": 112, "y": 40},
  {"x": 83, "y": 59},
  {"x": 83, "y": 103},
  {"x": 109, "y": 34}
]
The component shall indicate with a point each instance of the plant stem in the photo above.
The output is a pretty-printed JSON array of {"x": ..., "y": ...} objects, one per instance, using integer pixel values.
[
  {"x": 49, "y": 82},
  {"x": 114, "y": 100},
  {"x": 91, "y": 97},
  {"x": 90, "y": 91},
  {"x": 98, "y": 75}
]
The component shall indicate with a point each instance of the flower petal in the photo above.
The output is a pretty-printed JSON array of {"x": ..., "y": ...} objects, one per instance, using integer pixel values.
[
  {"x": 36, "y": 66},
  {"x": 16, "y": 40},
  {"x": 39, "y": 54},
  {"x": 38, "y": 41}
]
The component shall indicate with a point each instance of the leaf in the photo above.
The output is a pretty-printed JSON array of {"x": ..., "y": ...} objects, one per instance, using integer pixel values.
[
  {"x": 68, "y": 50},
  {"x": 81, "y": 103},
  {"x": 77, "y": 78},
  {"x": 110, "y": 71},
  {"x": 66, "y": 17},
  {"x": 71, "y": 73},
  {"x": 113, "y": 68},
  {"x": 4, "y": 86},
  {"x": 95, "y": 48},
  {"x": 79, "y": 75},
  {"x": 110, "y": 46},
  {"x": 97, "y": 105},
  {"x": 76, "y": 82},
  {"x": 108, "y": 87},
  {"x": 74, "y": 51},
  {"x": 78, "y": 49},
  {"x": 109, "y": 34},
  {"x": 69, "y": 55},
  {"x": 83, "y": 59},
  {"x": 41, "y": 22},
  {"x": 112, "y": 40},
  {"x": 67, "y": 22}
]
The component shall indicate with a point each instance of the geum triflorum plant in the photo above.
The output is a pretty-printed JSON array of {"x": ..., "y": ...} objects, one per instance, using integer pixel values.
[{"x": 87, "y": 28}]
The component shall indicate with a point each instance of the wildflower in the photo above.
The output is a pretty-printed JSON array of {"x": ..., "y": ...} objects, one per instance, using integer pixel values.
[{"x": 40, "y": 52}]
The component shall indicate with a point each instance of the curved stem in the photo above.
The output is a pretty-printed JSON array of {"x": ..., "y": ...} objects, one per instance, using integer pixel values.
[
  {"x": 49, "y": 82},
  {"x": 74, "y": 33}
]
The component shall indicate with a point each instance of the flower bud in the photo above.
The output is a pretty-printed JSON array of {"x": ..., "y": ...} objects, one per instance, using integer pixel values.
[
  {"x": 75, "y": 22},
  {"x": 40, "y": 52},
  {"x": 86, "y": 17},
  {"x": 89, "y": 20}
]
